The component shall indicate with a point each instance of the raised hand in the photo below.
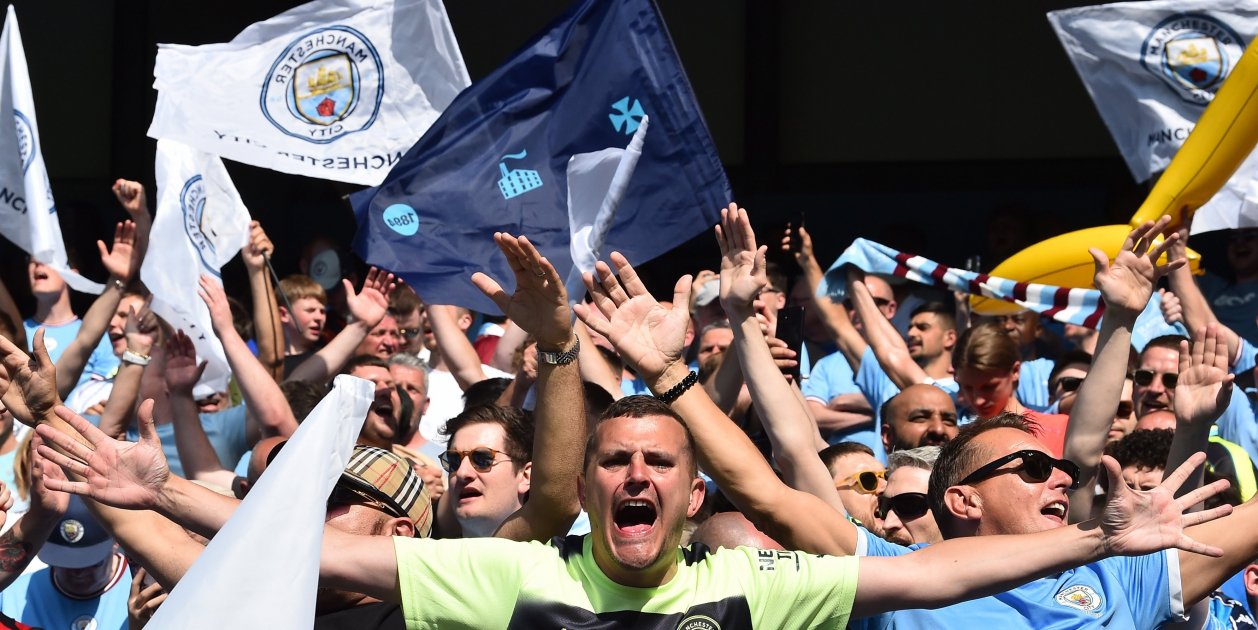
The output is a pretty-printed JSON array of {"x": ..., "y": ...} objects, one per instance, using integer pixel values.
[
  {"x": 121, "y": 261},
  {"x": 804, "y": 256},
  {"x": 1172, "y": 308},
  {"x": 540, "y": 302},
  {"x": 182, "y": 370},
  {"x": 143, "y": 601},
  {"x": 131, "y": 196},
  {"x": 1140, "y": 522},
  {"x": 128, "y": 475},
  {"x": 32, "y": 390},
  {"x": 141, "y": 329},
  {"x": 647, "y": 335},
  {"x": 259, "y": 248},
  {"x": 1128, "y": 282},
  {"x": 216, "y": 301},
  {"x": 1205, "y": 384},
  {"x": 371, "y": 303},
  {"x": 42, "y": 497},
  {"x": 742, "y": 263}
]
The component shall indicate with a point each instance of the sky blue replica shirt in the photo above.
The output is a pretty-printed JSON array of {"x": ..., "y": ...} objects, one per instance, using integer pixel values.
[
  {"x": 1119, "y": 593},
  {"x": 1033, "y": 383},
  {"x": 102, "y": 363},
  {"x": 878, "y": 388}
]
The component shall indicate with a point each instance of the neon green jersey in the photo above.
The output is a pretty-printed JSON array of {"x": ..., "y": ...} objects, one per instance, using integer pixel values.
[{"x": 494, "y": 583}]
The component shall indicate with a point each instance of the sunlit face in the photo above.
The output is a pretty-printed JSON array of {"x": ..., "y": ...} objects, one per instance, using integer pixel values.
[
  {"x": 987, "y": 392},
  {"x": 381, "y": 427},
  {"x": 927, "y": 338},
  {"x": 305, "y": 321},
  {"x": 1142, "y": 478},
  {"x": 485, "y": 499},
  {"x": 118, "y": 323},
  {"x": 1023, "y": 327},
  {"x": 382, "y": 341},
  {"x": 1060, "y": 389},
  {"x": 362, "y": 519},
  {"x": 898, "y": 528},
  {"x": 921, "y": 415},
  {"x": 44, "y": 279},
  {"x": 861, "y": 506},
  {"x": 1011, "y": 502},
  {"x": 638, "y": 489},
  {"x": 1155, "y": 395},
  {"x": 414, "y": 383},
  {"x": 715, "y": 341},
  {"x": 410, "y": 331}
]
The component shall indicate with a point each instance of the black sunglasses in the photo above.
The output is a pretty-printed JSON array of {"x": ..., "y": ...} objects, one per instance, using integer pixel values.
[
  {"x": 1037, "y": 465},
  {"x": 1069, "y": 383},
  {"x": 1144, "y": 378},
  {"x": 483, "y": 459},
  {"x": 409, "y": 333},
  {"x": 906, "y": 505}
]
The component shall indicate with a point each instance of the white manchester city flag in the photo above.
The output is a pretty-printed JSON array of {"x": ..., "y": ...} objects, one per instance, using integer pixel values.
[
  {"x": 322, "y": 90},
  {"x": 28, "y": 216},
  {"x": 201, "y": 224},
  {"x": 1151, "y": 68}
]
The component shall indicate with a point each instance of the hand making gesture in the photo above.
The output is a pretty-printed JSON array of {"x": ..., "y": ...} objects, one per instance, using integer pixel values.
[
  {"x": 122, "y": 260},
  {"x": 743, "y": 274},
  {"x": 1204, "y": 388},
  {"x": 540, "y": 302},
  {"x": 1140, "y": 522},
  {"x": 32, "y": 389},
  {"x": 1128, "y": 282},
  {"x": 370, "y": 304}
]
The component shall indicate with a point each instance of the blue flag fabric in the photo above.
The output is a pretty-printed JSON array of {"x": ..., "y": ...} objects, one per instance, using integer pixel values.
[{"x": 496, "y": 159}]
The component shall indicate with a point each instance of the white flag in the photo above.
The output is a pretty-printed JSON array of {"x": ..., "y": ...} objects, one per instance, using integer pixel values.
[
  {"x": 262, "y": 569},
  {"x": 200, "y": 225},
  {"x": 596, "y": 184},
  {"x": 1151, "y": 68},
  {"x": 28, "y": 216},
  {"x": 323, "y": 90}
]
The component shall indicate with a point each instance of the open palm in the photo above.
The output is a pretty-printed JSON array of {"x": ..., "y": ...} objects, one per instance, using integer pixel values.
[
  {"x": 1127, "y": 283},
  {"x": 1140, "y": 522},
  {"x": 539, "y": 305},
  {"x": 1205, "y": 384},
  {"x": 121, "y": 474},
  {"x": 743, "y": 273}
]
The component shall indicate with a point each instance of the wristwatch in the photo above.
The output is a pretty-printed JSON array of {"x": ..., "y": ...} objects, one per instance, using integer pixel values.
[
  {"x": 560, "y": 358},
  {"x": 130, "y": 356}
]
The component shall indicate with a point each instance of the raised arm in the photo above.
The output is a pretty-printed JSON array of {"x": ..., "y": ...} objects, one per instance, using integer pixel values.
[
  {"x": 121, "y": 262},
  {"x": 368, "y": 307},
  {"x": 268, "y": 413},
  {"x": 268, "y": 331},
  {"x": 1196, "y": 309},
  {"x": 650, "y": 338},
  {"x": 889, "y": 347},
  {"x": 181, "y": 373},
  {"x": 1135, "y": 523},
  {"x": 791, "y": 431},
  {"x": 539, "y": 306},
  {"x": 1202, "y": 394},
  {"x": 457, "y": 352},
  {"x": 1126, "y": 286},
  {"x": 19, "y": 545},
  {"x": 131, "y": 197},
  {"x": 142, "y": 331}
]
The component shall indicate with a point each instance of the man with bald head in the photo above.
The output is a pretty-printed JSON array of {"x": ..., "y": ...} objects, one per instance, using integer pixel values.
[
  {"x": 920, "y": 415},
  {"x": 731, "y": 530}
]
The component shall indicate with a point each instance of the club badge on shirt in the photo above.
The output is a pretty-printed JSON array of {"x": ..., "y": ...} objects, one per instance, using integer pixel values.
[{"x": 1080, "y": 597}]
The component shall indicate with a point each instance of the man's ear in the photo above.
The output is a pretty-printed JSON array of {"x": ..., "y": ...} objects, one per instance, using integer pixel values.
[
  {"x": 698, "y": 490},
  {"x": 886, "y": 436},
  {"x": 963, "y": 503},
  {"x": 402, "y": 527},
  {"x": 285, "y": 316},
  {"x": 526, "y": 480},
  {"x": 950, "y": 339}
]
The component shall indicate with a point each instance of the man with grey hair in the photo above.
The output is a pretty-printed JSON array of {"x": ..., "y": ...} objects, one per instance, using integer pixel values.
[
  {"x": 903, "y": 511},
  {"x": 410, "y": 374}
]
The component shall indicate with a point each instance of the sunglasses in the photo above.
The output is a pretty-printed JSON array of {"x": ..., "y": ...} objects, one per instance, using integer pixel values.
[
  {"x": 345, "y": 495},
  {"x": 1037, "y": 465},
  {"x": 409, "y": 333},
  {"x": 906, "y": 505},
  {"x": 483, "y": 459},
  {"x": 1069, "y": 383},
  {"x": 864, "y": 482},
  {"x": 1144, "y": 378}
]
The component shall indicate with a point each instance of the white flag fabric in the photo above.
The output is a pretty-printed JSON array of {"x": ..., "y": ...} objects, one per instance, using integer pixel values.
[
  {"x": 596, "y": 184},
  {"x": 323, "y": 90},
  {"x": 262, "y": 569},
  {"x": 201, "y": 224},
  {"x": 28, "y": 215},
  {"x": 1151, "y": 68}
]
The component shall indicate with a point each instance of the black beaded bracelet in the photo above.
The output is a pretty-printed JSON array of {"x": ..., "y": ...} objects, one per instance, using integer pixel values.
[{"x": 677, "y": 390}]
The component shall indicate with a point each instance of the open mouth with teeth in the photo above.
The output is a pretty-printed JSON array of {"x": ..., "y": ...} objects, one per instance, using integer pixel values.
[
  {"x": 635, "y": 517},
  {"x": 1056, "y": 509},
  {"x": 469, "y": 494}
]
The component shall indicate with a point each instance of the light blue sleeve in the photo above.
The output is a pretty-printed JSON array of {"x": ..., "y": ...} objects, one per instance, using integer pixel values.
[
  {"x": 1237, "y": 423},
  {"x": 102, "y": 362},
  {"x": 1151, "y": 584},
  {"x": 868, "y": 544},
  {"x": 226, "y": 430},
  {"x": 1247, "y": 359},
  {"x": 830, "y": 377},
  {"x": 1033, "y": 383},
  {"x": 873, "y": 381}
]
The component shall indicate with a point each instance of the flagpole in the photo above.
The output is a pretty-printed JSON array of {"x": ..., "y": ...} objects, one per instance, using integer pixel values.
[{"x": 276, "y": 279}]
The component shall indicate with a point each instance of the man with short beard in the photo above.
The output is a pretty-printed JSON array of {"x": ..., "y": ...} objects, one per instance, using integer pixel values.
[{"x": 920, "y": 415}]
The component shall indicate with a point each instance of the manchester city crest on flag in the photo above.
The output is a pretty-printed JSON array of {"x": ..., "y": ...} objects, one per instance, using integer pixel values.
[
  {"x": 26, "y": 144},
  {"x": 325, "y": 84},
  {"x": 1192, "y": 53},
  {"x": 211, "y": 232}
]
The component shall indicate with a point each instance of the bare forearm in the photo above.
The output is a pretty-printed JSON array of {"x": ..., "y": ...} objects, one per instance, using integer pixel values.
[
  {"x": 328, "y": 361},
  {"x": 849, "y": 340},
  {"x": 124, "y": 396},
  {"x": 558, "y": 449},
  {"x": 595, "y": 368},
  {"x": 193, "y": 507},
  {"x": 95, "y": 322},
  {"x": 159, "y": 545},
  {"x": 889, "y": 347},
  {"x": 456, "y": 350},
  {"x": 21, "y": 543},
  {"x": 726, "y": 383},
  {"x": 830, "y": 420},
  {"x": 512, "y": 339},
  {"x": 1097, "y": 402},
  {"x": 195, "y": 451},
  {"x": 1200, "y": 575},
  {"x": 269, "y": 413},
  {"x": 1197, "y": 311},
  {"x": 267, "y": 330}
]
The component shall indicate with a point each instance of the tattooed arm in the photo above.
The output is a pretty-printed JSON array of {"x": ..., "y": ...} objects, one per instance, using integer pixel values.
[{"x": 19, "y": 545}]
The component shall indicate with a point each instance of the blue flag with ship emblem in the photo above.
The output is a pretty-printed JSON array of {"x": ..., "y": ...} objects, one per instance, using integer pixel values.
[{"x": 497, "y": 158}]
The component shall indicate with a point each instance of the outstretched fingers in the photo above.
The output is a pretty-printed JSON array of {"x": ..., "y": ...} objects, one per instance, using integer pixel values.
[
  {"x": 1173, "y": 481},
  {"x": 492, "y": 290},
  {"x": 628, "y": 276},
  {"x": 1205, "y": 516}
]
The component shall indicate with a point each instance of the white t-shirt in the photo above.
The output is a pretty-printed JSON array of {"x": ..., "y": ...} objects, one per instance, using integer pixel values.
[{"x": 445, "y": 401}]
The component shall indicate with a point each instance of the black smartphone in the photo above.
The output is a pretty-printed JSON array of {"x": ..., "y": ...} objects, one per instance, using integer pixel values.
[
  {"x": 796, "y": 222},
  {"x": 791, "y": 330}
]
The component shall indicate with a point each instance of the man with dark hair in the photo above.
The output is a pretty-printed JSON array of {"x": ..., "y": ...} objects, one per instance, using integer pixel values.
[
  {"x": 920, "y": 415},
  {"x": 489, "y": 458},
  {"x": 859, "y": 478}
]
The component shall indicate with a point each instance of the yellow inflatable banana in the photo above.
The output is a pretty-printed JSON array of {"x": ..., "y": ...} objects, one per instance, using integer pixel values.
[{"x": 1224, "y": 136}]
